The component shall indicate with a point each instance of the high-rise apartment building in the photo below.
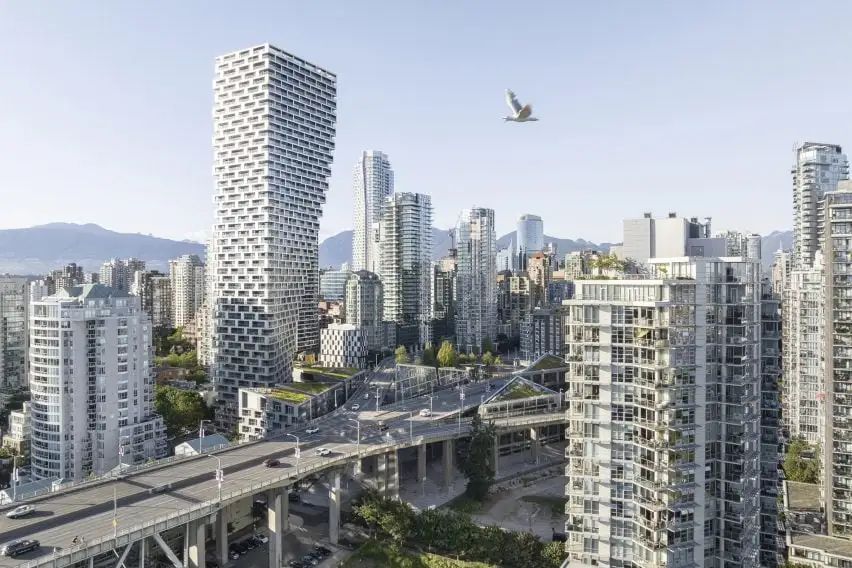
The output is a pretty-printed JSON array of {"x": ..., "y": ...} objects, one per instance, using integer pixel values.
[
  {"x": 540, "y": 271},
  {"x": 664, "y": 417},
  {"x": 818, "y": 169},
  {"x": 530, "y": 238},
  {"x": 155, "y": 293},
  {"x": 668, "y": 237},
  {"x": 476, "y": 279},
  {"x": 771, "y": 548},
  {"x": 365, "y": 307},
  {"x": 514, "y": 304},
  {"x": 188, "y": 287},
  {"x": 333, "y": 283},
  {"x": 14, "y": 300},
  {"x": 274, "y": 117},
  {"x": 91, "y": 382},
  {"x": 69, "y": 275},
  {"x": 444, "y": 298},
  {"x": 405, "y": 240},
  {"x": 117, "y": 273},
  {"x": 543, "y": 333},
  {"x": 373, "y": 184}
]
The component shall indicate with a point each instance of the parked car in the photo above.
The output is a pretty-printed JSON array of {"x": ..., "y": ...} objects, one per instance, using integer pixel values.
[
  {"x": 322, "y": 550},
  {"x": 17, "y": 547},
  {"x": 262, "y": 538},
  {"x": 382, "y": 425},
  {"x": 356, "y": 407},
  {"x": 21, "y": 511},
  {"x": 313, "y": 430},
  {"x": 295, "y": 564},
  {"x": 426, "y": 412},
  {"x": 309, "y": 560},
  {"x": 272, "y": 462}
]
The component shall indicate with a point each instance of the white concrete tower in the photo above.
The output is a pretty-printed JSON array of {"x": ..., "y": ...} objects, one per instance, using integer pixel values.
[
  {"x": 91, "y": 382},
  {"x": 187, "y": 283},
  {"x": 373, "y": 183},
  {"x": 274, "y": 117},
  {"x": 476, "y": 279}
]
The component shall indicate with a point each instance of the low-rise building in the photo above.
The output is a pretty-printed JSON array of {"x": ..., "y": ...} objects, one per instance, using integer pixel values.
[
  {"x": 18, "y": 437},
  {"x": 200, "y": 445},
  {"x": 343, "y": 345}
]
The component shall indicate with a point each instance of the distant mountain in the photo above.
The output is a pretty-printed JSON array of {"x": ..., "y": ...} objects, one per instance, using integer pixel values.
[
  {"x": 39, "y": 249},
  {"x": 337, "y": 249}
]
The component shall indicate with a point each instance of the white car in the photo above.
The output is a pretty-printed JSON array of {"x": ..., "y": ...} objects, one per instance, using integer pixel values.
[
  {"x": 323, "y": 452},
  {"x": 262, "y": 538},
  {"x": 366, "y": 396},
  {"x": 21, "y": 511},
  {"x": 356, "y": 407},
  {"x": 312, "y": 430},
  {"x": 426, "y": 412}
]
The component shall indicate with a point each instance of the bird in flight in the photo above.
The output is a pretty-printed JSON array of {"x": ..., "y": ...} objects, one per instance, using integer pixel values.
[{"x": 519, "y": 113}]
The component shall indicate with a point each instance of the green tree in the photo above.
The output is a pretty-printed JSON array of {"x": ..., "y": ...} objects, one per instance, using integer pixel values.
[
  {"x": 488, "y": 345},
  {"x": 798, "y": 467},
  {"x": 478, "y": 464},
  {"x": 447, "y": 356},
  {"x": 553, "y": 554},
  {"x": 181, "y": 410},
  {"x": 429, "y": 357},
  {"x": 498, "y": 360},
  {"x": 488, "y": 359},
  {"x": 401, "y": 354}
]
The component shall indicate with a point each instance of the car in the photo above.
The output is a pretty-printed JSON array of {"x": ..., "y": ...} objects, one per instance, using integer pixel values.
[
  {"x": 295, "y": 564},
  {"x": 309, "y": 560},
  {"x": 426, "y": 412},
  {"x": 234, "y": 555},
  {"x": 313, "y": 430},
  {"x": 356, "y": 407},
  {"x": 322, "y": 550},
  {"x": 382, "y": 425},
  {"x": 241, "y": 547},
  {"x": 272, "y": 462},
  {"x": 366, "y": 396},
  {"x": 262, "y": 538},
  {"x": 17, "y": 547},
  {"x": 323, "y": 452},
  {"x": 252, "y": 543},
  {"x": 21, "y": 511}
]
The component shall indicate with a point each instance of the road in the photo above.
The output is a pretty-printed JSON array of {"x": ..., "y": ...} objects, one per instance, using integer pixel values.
[{"x": 57, "y": 518}]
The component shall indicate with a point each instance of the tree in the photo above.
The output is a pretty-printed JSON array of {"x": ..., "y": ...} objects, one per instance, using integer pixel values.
[
  {"x": 488, "y": 345},
  {"x": 498, "y": 360},
  {"x": 429, "y": 357},
  {"x": 478, "y": 464},
  {"x": 447, "y": 356},
  {"x": 488, "y": 359},
  {"x": 401, "y": 354},
  {"x": 180, "y": 409},
  {"x": 553, "y": 554},
  {"x": 797, "y": 467}
]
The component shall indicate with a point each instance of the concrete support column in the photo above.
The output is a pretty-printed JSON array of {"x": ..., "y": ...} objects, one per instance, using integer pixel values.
[
  {"x": 495, "y": 460},
  {"x": 334, "y": 508},
  {"x": 285, "y": 509},
  {"x": 196, "y": 535},
  {"x": 535, "y": 444},
  {"x": 143, "y": 551},
  {"x": 447, "y": 462},
  {"x": 220, "y": 536},
  {"x": 393, "y": 474},
  {"x": 421, "y": 463},
  {"x": 273, "y": 525}
]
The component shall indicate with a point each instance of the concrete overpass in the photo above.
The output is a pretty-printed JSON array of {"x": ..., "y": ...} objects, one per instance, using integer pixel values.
[{"x": 134, "y": 511}]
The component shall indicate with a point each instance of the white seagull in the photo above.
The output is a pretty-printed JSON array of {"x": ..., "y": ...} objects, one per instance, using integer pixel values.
[{"x": 519, "y": 113}]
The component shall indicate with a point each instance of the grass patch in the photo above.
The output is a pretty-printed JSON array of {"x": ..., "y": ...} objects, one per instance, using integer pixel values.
[
  {"x": 377, "y": 555},
  {"x": 467, "y": 505},
  {"x": 289, "y": 396},
  {"x": 549, "y": 362},
  {"x": 518, "y": 392},
  {"x": 555, "y": 504},
  {"x": 311, "y": 387}
]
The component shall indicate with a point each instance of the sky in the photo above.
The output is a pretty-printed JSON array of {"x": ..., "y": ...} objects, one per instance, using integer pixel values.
[{"x": 693, "y": 107}]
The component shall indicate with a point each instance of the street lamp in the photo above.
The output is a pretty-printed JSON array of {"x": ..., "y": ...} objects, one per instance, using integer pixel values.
[
  {"x": 14, "y": 478},
  {"x": 411, "y": 426},
  {"x": 430, "y": 405},
  {"x": 461, "y": 404},
  {"x": 358, "y": 422},
  {"x": 297, "y": 450},
  {"x": 377, "y": 398},
  {"x": 220, "y": 475},
  {"x": 201, "y": 431}
]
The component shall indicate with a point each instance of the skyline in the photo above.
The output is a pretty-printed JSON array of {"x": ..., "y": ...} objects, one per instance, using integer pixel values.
[{"x": 141, "y": 134}]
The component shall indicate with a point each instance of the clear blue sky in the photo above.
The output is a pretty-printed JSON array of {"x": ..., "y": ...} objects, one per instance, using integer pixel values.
[{"x": 645, "y": 106}]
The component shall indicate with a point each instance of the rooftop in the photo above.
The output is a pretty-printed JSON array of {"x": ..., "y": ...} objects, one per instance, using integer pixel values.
[
  {"x": 828, "y": 544},
  {"x": 310, "y": 387},
  {"x": 802, "y": 496},
  {"x": 518, "y": 388},
  {"x": 89, "y": 292},
  {"x": 336, "y": 372},
  {"x": 209, "y": 441},
  {"x": 289, "y": 395},
  {"x": 546, "y": 362}
]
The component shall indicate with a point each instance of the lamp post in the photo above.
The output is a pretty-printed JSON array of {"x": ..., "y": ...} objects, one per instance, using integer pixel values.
[
  {"x": 411, "y": 426},
  {"x": 14, "y": 478},
  {"x": 220, "y": 476},
  {"x": 461, "y": 404},
  {"x": 430, "y": 405},
  {"x": 201, "y": 431},
  {"x": 377, "y": 398},
  {"x": 358, "y": 422},
  {"x": 297, "y": 450}
]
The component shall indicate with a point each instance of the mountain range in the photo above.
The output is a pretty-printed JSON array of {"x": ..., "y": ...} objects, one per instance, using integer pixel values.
[{"x": 39, "y": 249}]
